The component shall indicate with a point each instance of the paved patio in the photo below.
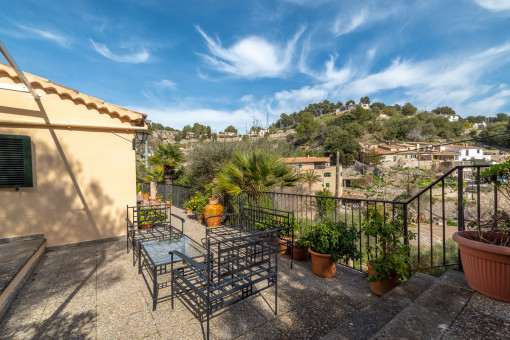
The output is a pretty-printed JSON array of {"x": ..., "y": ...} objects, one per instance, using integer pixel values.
[{"x": 93, "y": 291}]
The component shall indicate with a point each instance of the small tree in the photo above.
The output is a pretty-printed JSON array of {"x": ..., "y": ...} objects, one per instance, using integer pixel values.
[
  {"x": 310, "y": 177},
  {"x": 254, "y": 172},
  {"x": 372, "y": 157},
  {"x": 166, "y": 157}
]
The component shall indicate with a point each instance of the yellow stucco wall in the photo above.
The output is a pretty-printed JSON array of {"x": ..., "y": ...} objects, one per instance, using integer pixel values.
[{"x": 83, "y": 177}]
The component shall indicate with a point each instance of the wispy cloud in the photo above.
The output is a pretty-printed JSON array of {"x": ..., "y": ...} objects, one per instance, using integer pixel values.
[
  {"x": 357, "y": 17},
  {"x": 178, "y": 117},
  {"x": 54, "y": 36},
  {"x": 456, "y": 80},
  {"x": 135, "y": 58},
  {"x": 166, "y": 84},
  {"x": 494, "y": 5},
  {"x": 251, "y": 57}
]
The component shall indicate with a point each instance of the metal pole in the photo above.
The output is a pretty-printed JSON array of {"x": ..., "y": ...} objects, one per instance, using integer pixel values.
[
  {"x": 460, "y": 207},
  {"x": 146, "y": 160},
  {"x": 337, "y": 183}
]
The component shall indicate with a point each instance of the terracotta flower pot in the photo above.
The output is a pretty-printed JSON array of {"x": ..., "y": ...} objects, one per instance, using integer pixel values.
[
  {"x": 201, "y": 218},
  {"x": 300, "y": 254},
  {"x": 145, "y": 197},
  {"x": 283, "y": 245},
  {"x": 487, "y": 266},
  {"x": 322, "y": 264},
  {"x": 189, "y": 211},
  {"x": 382, "y": 287},
  {"x": 214, "y": 208},
  {"x": 146, "y": 226}
]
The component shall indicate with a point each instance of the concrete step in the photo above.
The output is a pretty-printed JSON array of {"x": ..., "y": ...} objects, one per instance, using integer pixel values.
[
  {"x": 372, "y": 319},
  {"x": 18, "y": 258},
  {"x": 432, "y": 313}
]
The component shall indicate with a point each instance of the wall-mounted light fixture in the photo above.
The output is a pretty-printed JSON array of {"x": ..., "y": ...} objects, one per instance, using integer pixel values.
[{"x": 140, "y": 138}]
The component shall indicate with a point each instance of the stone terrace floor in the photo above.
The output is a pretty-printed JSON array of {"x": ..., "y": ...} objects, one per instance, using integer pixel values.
[{"x": 94, "y": 292}]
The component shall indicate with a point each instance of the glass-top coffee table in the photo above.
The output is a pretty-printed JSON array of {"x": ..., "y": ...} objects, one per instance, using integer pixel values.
[{"x": 155, "y": 260}]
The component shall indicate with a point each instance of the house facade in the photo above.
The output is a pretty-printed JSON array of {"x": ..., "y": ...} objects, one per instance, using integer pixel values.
[
  {"x": 466, "y": 153},
  {"x": 77, "y": 173},
  {"x": 322, "y": 167}
]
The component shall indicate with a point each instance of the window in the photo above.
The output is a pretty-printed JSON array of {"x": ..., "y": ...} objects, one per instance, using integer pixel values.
[
  {"x": 394, "y": 158},
  {"x": 467, "y": 152},
  {"x": 15, "y": 162},
  {"x": 327, "y": 185},
  {"x": 477, "y": 150},
  {"x": 300, "y": 165},
  {"x": 327, "y": 174}
]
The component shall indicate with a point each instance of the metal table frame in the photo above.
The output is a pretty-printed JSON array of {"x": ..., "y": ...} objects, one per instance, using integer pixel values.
[{"x": 153, "y": 270}]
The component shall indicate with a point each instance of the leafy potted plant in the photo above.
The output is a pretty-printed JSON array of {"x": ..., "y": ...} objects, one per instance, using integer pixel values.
[
  {"x": 300, "y": 251},
  {"x": 148, "y": 216},
  {"x": 485, "y": 248},
  {"x": 328, "y": 242},
  {"x": 145, "y": 196},
  {"x": 390, "y": 262}
]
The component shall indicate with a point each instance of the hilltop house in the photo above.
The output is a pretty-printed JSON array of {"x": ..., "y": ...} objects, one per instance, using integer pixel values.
[
  {"x": 322, "y": 167},
  {"x": 451, "y": 118},
  {"x": 75, "y": 169},
  {"x": 350, "y": 107},
  {"x": 466, "y": 153},
  {"x": 410, "y": 153}
]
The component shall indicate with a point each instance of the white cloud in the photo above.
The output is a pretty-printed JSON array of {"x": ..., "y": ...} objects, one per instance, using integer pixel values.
[
  {"x": 349, "y": 24},
  {"x": 166, "y": 84},
  {"x": 52, "y": 36},
  {"x": 135, "y": 58},
  {"x": 363, "y": 15},
  {"x": 178, "y": 117},
  {"x": 251, "y": 57},
  {"x": 456, "y": 80},
  {"x": 495, "y": 5}
]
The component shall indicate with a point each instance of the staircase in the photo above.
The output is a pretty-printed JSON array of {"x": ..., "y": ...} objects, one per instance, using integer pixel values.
[
  {"x": 18, "y": 258},
  {"x": 423, "y": 307}
]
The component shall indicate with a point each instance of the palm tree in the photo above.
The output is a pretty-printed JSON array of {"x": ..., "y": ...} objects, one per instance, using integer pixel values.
[
  {"x": 310, "y": 177},
  {"x": 166, "y": 157},
  {"x": 155, "y": 175},
  {"x": 254, "y": 172}
]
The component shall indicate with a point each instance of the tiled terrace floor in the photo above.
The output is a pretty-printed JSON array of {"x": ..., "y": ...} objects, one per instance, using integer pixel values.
[{"x": 93, "y": 291}]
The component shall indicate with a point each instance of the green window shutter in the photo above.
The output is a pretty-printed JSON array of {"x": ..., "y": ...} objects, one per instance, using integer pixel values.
[
  {"x": 327, "y": 185},
  {"x": 15, "y": 162}
]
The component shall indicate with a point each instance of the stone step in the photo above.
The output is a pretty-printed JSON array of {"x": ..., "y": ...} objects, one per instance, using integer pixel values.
[
  {"x": 432, "y": 313},
  {"x": 372, "y": 319},
  {"x": 19, "y": 257}
]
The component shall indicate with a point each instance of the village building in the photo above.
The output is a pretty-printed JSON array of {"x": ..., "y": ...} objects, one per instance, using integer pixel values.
[
  {"x": 322, "y": 167},
  {"x": 67, "y": 165}
]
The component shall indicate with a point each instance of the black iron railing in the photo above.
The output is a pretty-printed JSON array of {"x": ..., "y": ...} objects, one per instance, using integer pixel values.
[{"x": 450, "y": 203}]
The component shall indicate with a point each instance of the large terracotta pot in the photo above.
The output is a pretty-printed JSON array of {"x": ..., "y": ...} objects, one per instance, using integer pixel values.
[
  {"x": 145, "y": 197},
  {"x": 300, "y": 254},
  {"x": 212, "y": 209},
  {"x": 487, "y": 266},
  {"x": 382, "y": 287},
  {"x": 322, "y": 264}
]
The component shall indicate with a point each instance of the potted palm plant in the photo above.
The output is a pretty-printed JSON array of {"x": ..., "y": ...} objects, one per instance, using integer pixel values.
[
  {"x": 390, "y": 262},
  {"x": 485, "y": 247},
  {"x": 329, "y": 242}
]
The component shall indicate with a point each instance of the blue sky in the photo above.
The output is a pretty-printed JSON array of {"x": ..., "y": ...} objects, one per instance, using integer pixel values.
[{"x": 225, "y": 62}]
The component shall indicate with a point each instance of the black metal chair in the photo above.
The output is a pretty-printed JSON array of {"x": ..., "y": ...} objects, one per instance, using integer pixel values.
[
  {"x": 252, "y": 219},
  {"x": 234, "y": 268},
  {"x": 149, "y": 222}
]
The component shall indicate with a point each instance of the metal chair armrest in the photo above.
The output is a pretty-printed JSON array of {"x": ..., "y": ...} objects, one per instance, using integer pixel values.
[{"x": 189, "y": 260}]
